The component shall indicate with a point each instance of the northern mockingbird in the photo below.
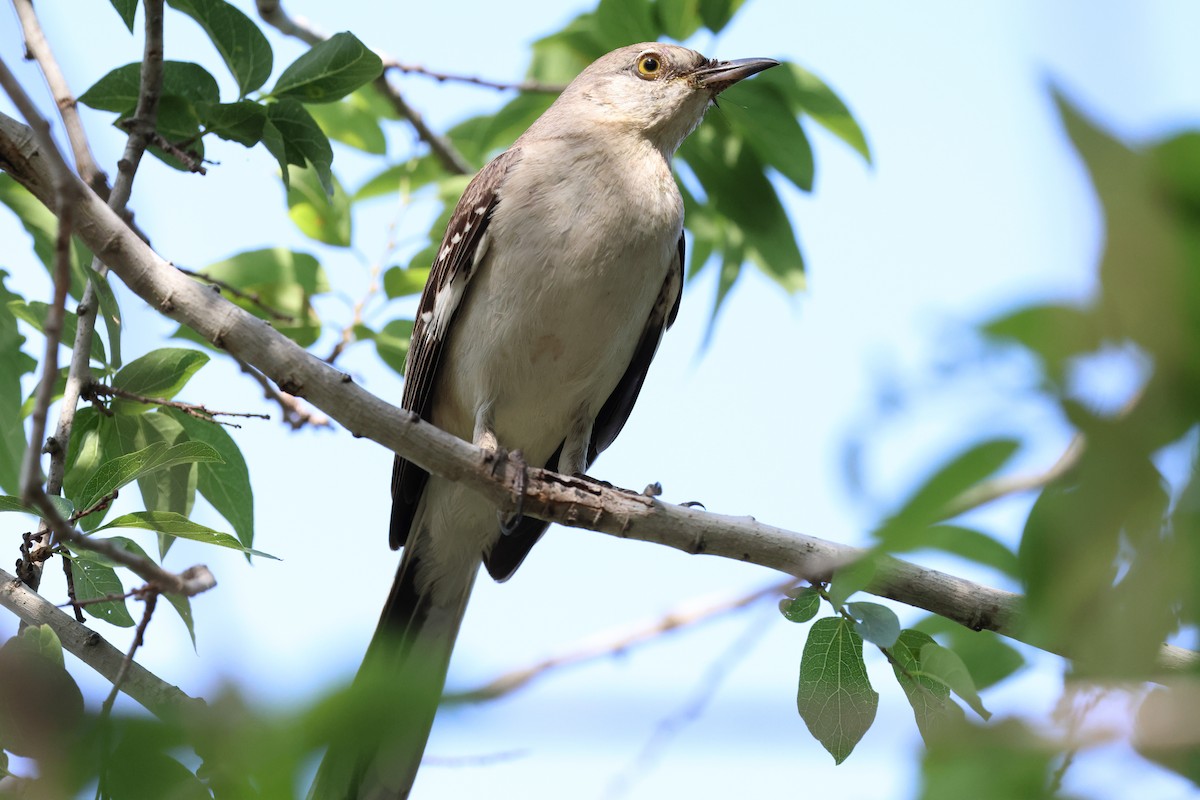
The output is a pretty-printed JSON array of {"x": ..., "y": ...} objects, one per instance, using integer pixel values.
[{"x": 558, "y": 273}]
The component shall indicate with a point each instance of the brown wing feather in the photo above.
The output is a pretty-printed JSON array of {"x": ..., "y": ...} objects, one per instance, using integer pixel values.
[
  {"x": 511, "y": 550},
  {"x": 455, "y": 260}
]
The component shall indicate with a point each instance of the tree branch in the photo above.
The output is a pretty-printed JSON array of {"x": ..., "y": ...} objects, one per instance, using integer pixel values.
[
  {"x": 155, "y": 694},
  {"x": 547, "y": 495},
  {"x": 37, "y": 47}
]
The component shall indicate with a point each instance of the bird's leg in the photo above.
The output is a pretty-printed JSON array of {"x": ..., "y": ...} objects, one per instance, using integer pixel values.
[{"x": 485, "y": 439}]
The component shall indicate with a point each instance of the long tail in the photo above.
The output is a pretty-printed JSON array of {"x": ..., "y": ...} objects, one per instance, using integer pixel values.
[{"x": 404, "y": 672}]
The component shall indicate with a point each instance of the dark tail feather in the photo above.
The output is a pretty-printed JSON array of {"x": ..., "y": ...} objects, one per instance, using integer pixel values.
[{"x": 398, "y": 686}]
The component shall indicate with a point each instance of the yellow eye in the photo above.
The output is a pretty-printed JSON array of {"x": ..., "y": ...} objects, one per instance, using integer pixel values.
[{"x": 649, "y": 65}]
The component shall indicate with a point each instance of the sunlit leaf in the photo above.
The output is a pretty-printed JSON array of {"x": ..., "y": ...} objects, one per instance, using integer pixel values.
[{"x": 329, "y": 71}]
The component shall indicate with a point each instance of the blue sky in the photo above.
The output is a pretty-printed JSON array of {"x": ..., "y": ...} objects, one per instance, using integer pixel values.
[{"x": 814, "y": 413}]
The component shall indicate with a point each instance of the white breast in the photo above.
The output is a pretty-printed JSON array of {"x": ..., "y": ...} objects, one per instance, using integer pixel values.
[{"x": 553, "y": 313}]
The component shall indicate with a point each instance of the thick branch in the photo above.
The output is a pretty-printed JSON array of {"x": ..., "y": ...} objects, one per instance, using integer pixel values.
[
  {"x": 145, "y": 687},
  {"x": 547, "y": 495}
]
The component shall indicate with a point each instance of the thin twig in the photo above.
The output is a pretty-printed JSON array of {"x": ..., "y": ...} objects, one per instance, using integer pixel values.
[
  {"x": 250, "y": 297},
  {"x": 296, "y": 413},
  {"x": 373, "y": 285},
  {"x": 992, "y": 490},
  {"x": 190, "y": 582},
  {"x": 273, "y": 14},
  {"x": 703, "y": 693},
  {"x": 37, "y": 46},
  {"x": 146, "y": 113},
  {"x": 442, "y": 77},
  {"x": 139, "y": 638},
  {"x": 610, "y": 643},
  {"x": 72, "y": 601},
  {"x": 96, "y": 391},
  {"x": 138, "y": 593}
]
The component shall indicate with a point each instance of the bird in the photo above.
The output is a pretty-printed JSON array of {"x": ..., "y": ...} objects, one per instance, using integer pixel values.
[{"x": 560, "y": 269}]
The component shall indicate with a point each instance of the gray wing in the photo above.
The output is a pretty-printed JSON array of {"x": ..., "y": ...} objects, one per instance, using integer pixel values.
[
  {"x": 511, "y": 549},
  {"x": 463, "y": 247}
]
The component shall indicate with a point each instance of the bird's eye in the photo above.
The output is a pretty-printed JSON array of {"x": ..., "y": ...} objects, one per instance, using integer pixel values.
[{"x": 649, "y": 66}]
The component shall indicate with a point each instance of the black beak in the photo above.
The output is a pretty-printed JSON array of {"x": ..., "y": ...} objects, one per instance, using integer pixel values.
[{"x": 720, "y": 75}]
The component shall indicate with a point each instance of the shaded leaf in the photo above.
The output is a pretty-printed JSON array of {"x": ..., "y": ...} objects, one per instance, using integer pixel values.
[
  {"x": 852, "y": 578},
  {"x": 93, "y": 579},
  {"x": 241, "y": 44},
  {"x": 759, "y": 113},
  {"x": 128, "y": 11},
  {"x": 1001, "y": 761},
  {"x": 966, "y": 542},
  {"x": 225, "y": 483},
  {"x": 240, "y": 122},
  {"x": 809, "y": 95},
  {"x": 118, "y": 90},
  {"x": 945, "y": 666},
  {"x": 835, "y": 698},
  {"x": 181, "y": 603},
  {"x": 717, "y": 13},
  {"x": 35, "y": 313},
  {"x": 988, "y": 655},
  {"x": 929, "y": 698},
  {"x": 13, "y": 364},
  {"x": 42, "y": 226},
  {"x": 678, "y": 19},
  {"x": 876, "y": 624},
  {"x": 41, "y": 706},
  {"x": 300, "y": 140},
  {"x": 402, "y": 179},
  {"x": 110, "y": 313},
  {"x": 64, "y": 506}
]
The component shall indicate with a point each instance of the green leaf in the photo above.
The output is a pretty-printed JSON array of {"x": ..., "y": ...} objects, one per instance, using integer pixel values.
[
  {"x": 391, "y": 343},
  {"x": 42, "y": 226},
  {"x": 945, "y": 666},
  {"x": 929, "y": 503},
  {"x": 760, "y": 114},
  {"x": 64, "y": 506},
  {"x": 301, "y": 140},
  {"x": 319, "y": 215},
  {"x": 965, "y": 542},
  {"x": 876, "y": 624},
  {"x": 809, "y": 95},
  {"x": 41, "y": 706},
  {"x": 122, "y": 470},
  {"x": 172, "y": 489},
  {"x": 128, "y": 11},
  {"x": 179, "y": 526},
  {"x": 852, "y": 578},
  {"x": 285, "y": 281},
  {"x": 13, "y": 364},
  {"x": 835, "y": 698},
  {"x": 93, "y": 579},
  {"x": 181, "y": 603},
  {"x": 803, "y": 607},
  {"x": 35, "y": 314},
  {"x": 402, "y": 179},
  {"x": 240, "y": 122},
  {"x": 110, "y": 313},
  {"x": 717, "y": 13},
  {"x": 1003, "y": 761},
  {"x": 225, "y": 483},
  {"x": 349, "y": 123},
  {"x": 329, "y": 71},
  {"x": 988, "y": 656},
  {"x": 404, "y": 281},
  {"x": 620, "y": 22},
  {"x": 241, "y": 44},
  {"x": 118, "y": 90},
  {"x": 929, "y": 698},
  {"x": 679, "y": 19},
  {"x": 160, "y": 374},
  {"x": 1056, "y": 333}
]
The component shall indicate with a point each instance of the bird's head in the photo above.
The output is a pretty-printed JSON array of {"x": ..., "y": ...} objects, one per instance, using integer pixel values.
[{"x": 660, "y": 91}]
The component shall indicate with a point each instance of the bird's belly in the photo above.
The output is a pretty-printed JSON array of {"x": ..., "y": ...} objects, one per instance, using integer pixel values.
[{"x": 551, "y": 365}]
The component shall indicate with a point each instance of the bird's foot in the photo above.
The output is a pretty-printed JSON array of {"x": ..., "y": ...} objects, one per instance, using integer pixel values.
[{"x": 509, "y": 522}]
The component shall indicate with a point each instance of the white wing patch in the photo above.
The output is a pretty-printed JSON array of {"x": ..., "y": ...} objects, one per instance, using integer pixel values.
[{"x": 445, "y": 303}]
